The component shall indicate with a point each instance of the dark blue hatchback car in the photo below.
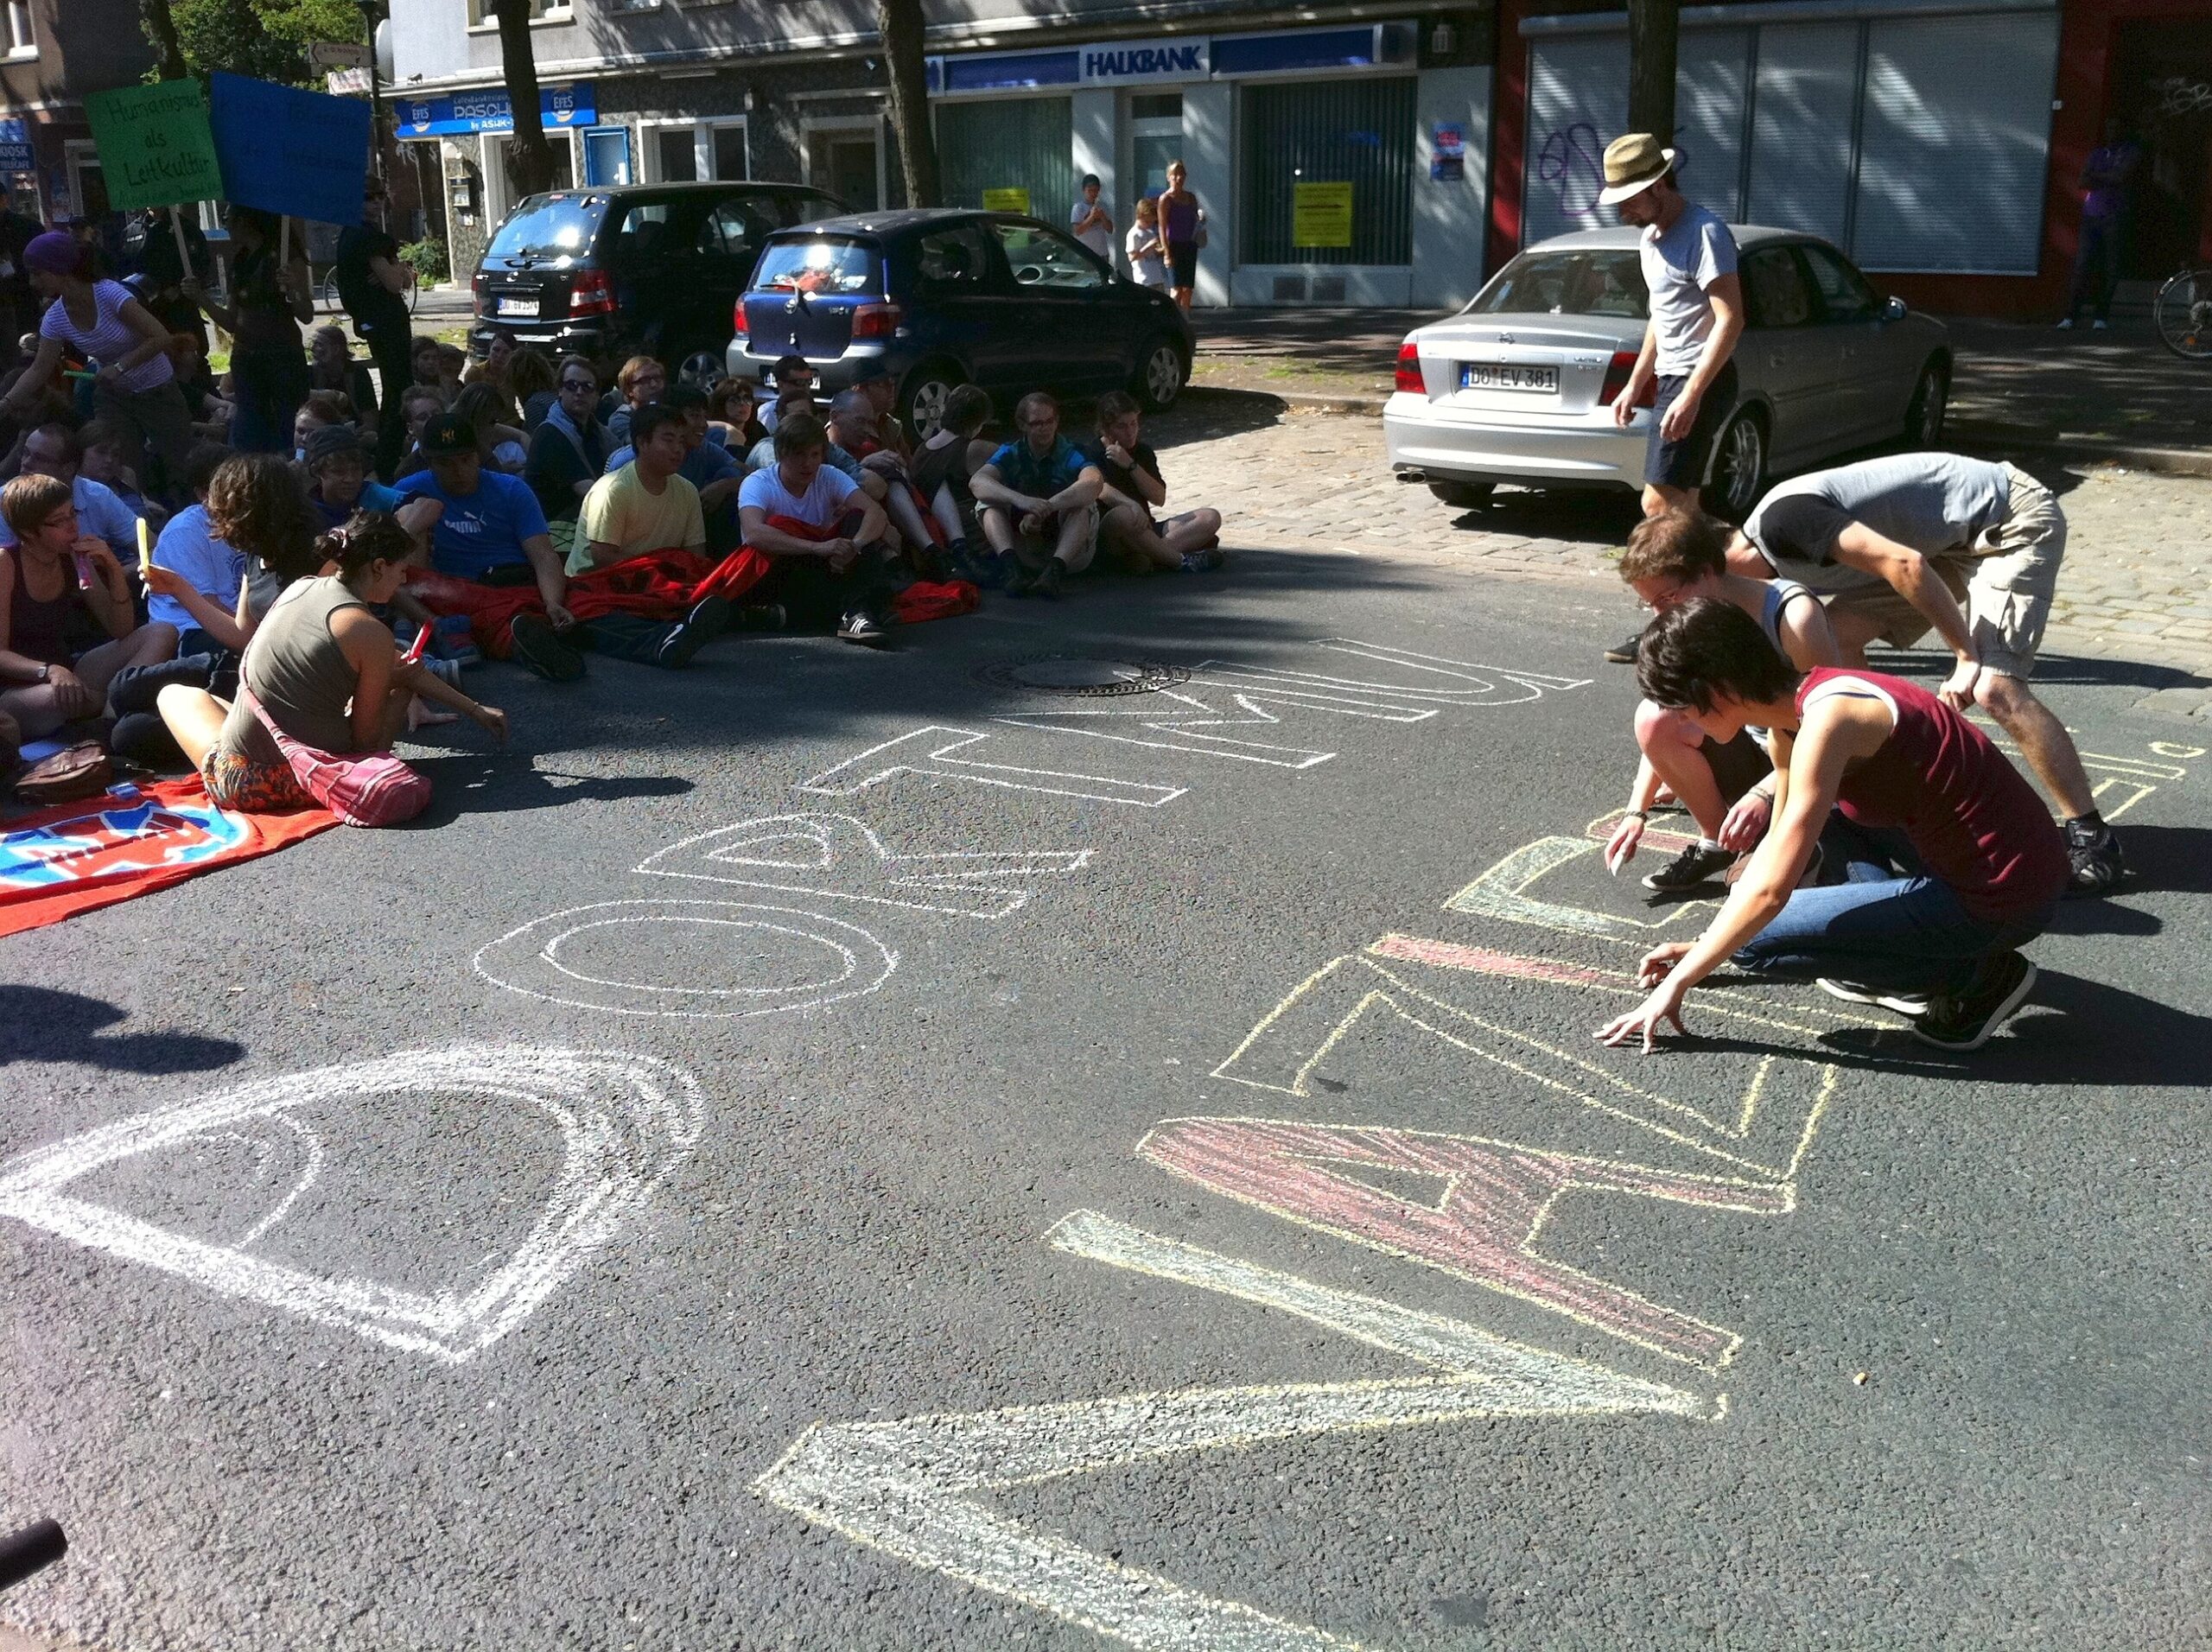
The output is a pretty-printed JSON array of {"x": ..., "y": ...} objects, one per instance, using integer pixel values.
[{"x": 943, "y": 297}]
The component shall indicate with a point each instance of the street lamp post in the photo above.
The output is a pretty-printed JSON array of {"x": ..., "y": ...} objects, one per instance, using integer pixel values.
[{"x": 371, "y": 12}]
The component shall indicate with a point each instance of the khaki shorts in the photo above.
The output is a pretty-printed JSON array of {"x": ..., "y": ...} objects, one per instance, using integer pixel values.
[{"x": 2004, "y": 581}]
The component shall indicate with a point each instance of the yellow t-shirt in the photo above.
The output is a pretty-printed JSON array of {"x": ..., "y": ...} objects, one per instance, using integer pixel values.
[{"x": 618, "y": 510}]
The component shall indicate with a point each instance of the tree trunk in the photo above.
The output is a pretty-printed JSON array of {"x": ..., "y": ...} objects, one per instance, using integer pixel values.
[
  {"x": 899, "y": 23},
  {"x": 529, "y": 157},
  {"x": 161, "y": 28},
  {"x": 1653, "y": 26}
]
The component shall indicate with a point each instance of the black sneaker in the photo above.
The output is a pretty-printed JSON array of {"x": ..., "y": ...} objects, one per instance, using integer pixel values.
[
  {"x": 701, "y": 626},
  {"x": 540, "y": 647},
  {"x": 761, "y": 616},
  {"x": 1965, "y": 1020},
  {"x": 1205, "y": 560},
  {"x": 862, "y": 628},
  {"x": 2094, "y": 853},
  {"x": 1046, "y": 583},
  {"x": 1913, "y": 1004},
  {"x": 1700, "y": 862},
  {"x": 1624, "y": 653}
]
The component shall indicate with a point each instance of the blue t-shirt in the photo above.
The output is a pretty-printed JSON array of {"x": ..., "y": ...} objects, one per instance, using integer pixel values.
[
  {"x": 483, "y": 530},
  {"x": 1020, "y": 469},
  {"x": 211, "y": 567},
  {"x": 375, "y": 496}
]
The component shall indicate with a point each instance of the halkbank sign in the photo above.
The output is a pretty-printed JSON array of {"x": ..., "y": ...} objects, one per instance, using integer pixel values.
[{"x": 1175, "y": 59}]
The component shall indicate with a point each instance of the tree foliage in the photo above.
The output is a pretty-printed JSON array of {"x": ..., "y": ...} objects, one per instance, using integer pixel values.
[{"x": 266, "y": 39}]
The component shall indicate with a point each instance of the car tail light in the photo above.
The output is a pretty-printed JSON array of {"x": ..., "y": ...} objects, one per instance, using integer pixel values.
[
  {"x": 476, "y": 290},
  {"x": 592, "y": 293},
  {"x": 1409, "y": 369},
  {"x": 1617, "y": 373},
  {"x": 875, "y": 320},
  {"x": 737, "y": 322}
]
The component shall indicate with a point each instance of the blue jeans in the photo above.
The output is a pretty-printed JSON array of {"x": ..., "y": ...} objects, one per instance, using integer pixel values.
[{"x": 1888, "y": 924}]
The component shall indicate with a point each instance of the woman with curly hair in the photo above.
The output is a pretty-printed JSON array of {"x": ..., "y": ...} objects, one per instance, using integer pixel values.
[{"x": 531, "y": 382}]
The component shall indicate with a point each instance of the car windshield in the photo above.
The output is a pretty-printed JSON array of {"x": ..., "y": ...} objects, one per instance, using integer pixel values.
[
  {"x": 547, "y": 227},
  {"x": 819, "y": 265},
  {"x": 1587, "y": 281}
]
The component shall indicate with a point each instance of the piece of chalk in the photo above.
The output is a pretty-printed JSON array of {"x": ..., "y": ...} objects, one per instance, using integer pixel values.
[{"x": 145, "y": 546}]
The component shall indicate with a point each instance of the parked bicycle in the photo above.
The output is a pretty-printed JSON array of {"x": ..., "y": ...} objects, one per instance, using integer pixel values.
[{"x": 2182, "y": 310}]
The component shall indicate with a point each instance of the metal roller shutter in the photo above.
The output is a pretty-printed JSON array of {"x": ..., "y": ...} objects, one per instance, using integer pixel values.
[
  {"x": 1710, "y": 68},
  {"x": 1954, "y": 139},
  {"x": 1578, "y": 103},
  {"x": 1009, "y": 143},
  {"x": 1356, "y": 131},
  {"x": 1802, "y": 110}
]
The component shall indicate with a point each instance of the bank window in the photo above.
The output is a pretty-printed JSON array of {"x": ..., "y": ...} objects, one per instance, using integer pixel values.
[
  {"x": 1041, "y": 259},
  {"x": 1156, "y": 105},
  {"x": 1328, "y": 173},
  {"x": 482, "y": 14},
  {"x": 19, "y": 41}
]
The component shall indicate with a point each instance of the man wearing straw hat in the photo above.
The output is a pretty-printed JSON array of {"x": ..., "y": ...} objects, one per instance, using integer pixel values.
[{"x": 1696, "y": 316}]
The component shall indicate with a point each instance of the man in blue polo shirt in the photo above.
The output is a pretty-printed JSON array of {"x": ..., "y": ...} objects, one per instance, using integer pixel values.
[
  {"x": 1041, "y": 501},
  {"x": 54, "y": 450}
]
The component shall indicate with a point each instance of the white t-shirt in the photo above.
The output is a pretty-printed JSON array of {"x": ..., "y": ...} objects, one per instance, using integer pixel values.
[
  {"x": 1099, "y": 238},
  {"x": 1147, "y": 255},
  {"x": 823, "y": 503},
  {"x": 1678, "y": 266}
]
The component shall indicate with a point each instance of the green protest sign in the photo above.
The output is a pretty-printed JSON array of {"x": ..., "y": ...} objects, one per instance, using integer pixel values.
[{"x": 156, "y": 148}]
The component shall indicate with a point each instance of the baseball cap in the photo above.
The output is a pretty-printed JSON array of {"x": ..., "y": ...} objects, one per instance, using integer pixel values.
[{"x": 448, "y": 435}]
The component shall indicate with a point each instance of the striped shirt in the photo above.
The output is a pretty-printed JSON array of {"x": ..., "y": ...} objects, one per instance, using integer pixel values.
[{"x": 109, "y": 337}]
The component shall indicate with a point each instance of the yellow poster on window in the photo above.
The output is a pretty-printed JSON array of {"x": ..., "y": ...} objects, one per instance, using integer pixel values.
[
  {"x": 1320, "y": 214},
  {"x": 1007, "y": 200}
]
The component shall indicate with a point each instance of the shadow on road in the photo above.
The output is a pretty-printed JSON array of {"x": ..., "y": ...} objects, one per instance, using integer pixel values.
[
  {"x": 468, "y": 783},
  {"x": 42, "y": 1024}
]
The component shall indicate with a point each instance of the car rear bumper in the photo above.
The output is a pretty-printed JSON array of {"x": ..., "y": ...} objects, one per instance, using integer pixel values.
[
  {"x": 831, "y": 373},
  {"x": 1450, "y": 445},
  {"x": 555, "y": 339}
]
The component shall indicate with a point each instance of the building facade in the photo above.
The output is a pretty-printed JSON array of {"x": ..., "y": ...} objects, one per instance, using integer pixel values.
[
  {"x": 1366, "y": 154},
  {"x": 52, "y": 53}
]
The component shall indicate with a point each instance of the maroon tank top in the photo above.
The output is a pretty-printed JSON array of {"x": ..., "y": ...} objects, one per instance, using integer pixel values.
[
  {"x": 37, "y": 630},
  {"x": 1973, "y": 820}
]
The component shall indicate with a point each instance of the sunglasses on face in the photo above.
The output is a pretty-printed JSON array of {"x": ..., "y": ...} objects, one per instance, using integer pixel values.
[{"x": 578, "y": 384}]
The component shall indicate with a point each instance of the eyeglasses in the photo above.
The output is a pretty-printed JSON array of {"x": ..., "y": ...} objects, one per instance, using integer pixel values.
[{"x": 584, "y": 384}]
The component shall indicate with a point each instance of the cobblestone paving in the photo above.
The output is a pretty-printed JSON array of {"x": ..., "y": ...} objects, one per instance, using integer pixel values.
[{"x": 2136, "y": 586}]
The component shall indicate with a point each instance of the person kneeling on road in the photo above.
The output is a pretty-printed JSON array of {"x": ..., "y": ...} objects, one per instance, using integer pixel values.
[
  {"x": 1041, "y": 501},
  {"x": 1951, "y": 864},
  {"x": 1190, "y": 542},
  {"x": 825, "y": 537},
  {"x": 1728, "y": 790},
  {"x": 1896, "y": 545},
  {"x": 491, "y": 538}
]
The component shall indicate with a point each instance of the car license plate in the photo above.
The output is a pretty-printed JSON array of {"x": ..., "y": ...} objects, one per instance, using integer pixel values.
[
  {"x": 518, "y": 307},
  {"x": 1509, "y": 375}
]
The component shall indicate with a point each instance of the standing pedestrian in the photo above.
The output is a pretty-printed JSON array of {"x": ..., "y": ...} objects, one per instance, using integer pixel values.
[
  {"x": 1696, "y": 311},
  {"x": 135, "y": 394},
  {"x": 1182, "y": 226},
  {"x": 1089, "y": 221},
  {"x": 372, "y": 283},
  {"x": 2105, "y": 182},
  {"x": 1148, "y": 252},
  {"x": 269, "y": 304}
]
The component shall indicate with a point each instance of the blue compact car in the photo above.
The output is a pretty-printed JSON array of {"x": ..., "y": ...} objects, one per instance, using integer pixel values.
[{"x": 943, "y": 297}]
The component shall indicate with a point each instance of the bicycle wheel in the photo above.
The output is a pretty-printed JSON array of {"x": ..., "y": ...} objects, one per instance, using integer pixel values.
[
  {"x": 326, "y": 294},
  {"x": 2183, "y": 312}
]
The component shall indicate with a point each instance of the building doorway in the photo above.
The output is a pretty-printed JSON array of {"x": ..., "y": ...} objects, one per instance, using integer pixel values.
[
  {"x": 1155, "y": 138},
  {"x": 847, "y": 161},
  {"x": 2162, "y": 91}
]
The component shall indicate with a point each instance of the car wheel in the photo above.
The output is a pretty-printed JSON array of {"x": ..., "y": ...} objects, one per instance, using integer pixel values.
[
  {"x": 1463, "y": 496},
  {"x": 1160, "y": 375},
  {"x": 1738, "y": 467},
  {"x": 701, "y": 370},
  {"x": 928, "y": 387},
  {"x": 1923, "y": 415}
]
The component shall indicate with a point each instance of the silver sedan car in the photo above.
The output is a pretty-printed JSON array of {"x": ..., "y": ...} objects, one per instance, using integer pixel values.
[{"x": 1518, "y": 387}]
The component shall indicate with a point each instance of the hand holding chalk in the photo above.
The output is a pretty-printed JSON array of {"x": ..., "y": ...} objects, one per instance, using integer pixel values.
[{"x": 145, "y": 548}]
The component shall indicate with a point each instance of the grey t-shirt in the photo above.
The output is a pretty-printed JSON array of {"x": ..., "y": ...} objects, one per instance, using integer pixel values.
[
  {"x": 1695, "y": 251},
  {"x": 1932, "y": 502}
]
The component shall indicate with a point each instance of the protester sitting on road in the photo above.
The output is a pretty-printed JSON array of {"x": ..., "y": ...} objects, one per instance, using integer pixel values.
[
  {"x": 325, "y": 671},
  {"x": 210, "y": 413},
  {"x": 1041, "y": 501},
  {"x": 532, "y": 382},
  {"x": 1671, "y": 559},
  {"x": 1951, "y": 863},
  {"x": 851, "y": 427},
  {"x": 500, "y": 440},
  {"x": 259, "y": 503},
  {"x": 453, "y": 370},
  {"x": 424, "y": 363},
  {"x": 332, "y": 366},
  {"x": 55, "y": 581},
  {"x": 644, "y": 504},
  {"x": 791, "y": 373},
  {"x": 855, "y": 449},
  {"x": 53, "y": 451},
  {"x": 321, "y": 410},
  {"x": 197, "y": 579},
  {"x": 418, "y": 405},
  {"x": 941, "y": 470},
  {"x": 567, "y": 451},
  {"x": 825, "y": 536},
  {"x": 339, "y": 483},
  {"x": 734, "y": 407},
  {"x": 1899, "y": 541},
  {"x": 875, "y": 380},
  {"x": 1190, "y": 542},
  {"x": 708, "y": 466},
  {"x": 102, "y": 450},
  {"x": 498, "y": 354},
  {"x": 642, "y": 381}
]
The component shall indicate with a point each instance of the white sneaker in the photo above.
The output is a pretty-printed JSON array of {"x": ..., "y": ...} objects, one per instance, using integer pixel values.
[
  {"x": 2100, "y": 327},
  {"x": 2064, "y": 325}
]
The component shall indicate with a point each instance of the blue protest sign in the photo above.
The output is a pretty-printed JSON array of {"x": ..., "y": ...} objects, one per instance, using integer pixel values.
[{"x": 285, "y": 150}]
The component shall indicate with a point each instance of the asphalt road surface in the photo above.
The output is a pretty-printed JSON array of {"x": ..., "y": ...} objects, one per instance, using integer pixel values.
[{"x": 838, "y": 1150}]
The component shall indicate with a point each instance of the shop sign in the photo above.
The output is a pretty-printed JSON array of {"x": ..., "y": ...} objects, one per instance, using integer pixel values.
[
  {"x": 1007, "y": 200},
  {"x": 490, "y": 111},
  {"x": 1320, "y": 214},
  {"x": 15, "y": 147},
  {"x": 1447, "y": 159},
  {"x": 1112, "y": 63}
]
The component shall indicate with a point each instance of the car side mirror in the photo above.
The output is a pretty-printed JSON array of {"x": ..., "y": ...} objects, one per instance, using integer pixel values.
[{"x": 1893, "y": 309}]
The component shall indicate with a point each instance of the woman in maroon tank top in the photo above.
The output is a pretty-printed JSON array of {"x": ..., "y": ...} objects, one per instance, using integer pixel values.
[{"x": 1949, "y": 861}]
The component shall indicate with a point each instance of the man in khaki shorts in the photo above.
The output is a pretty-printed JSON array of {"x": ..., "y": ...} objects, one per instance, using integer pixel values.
[{"x": 1895, "y": 545}]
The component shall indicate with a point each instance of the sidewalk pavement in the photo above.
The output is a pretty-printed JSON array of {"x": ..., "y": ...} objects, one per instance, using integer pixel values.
[{"x": 2016, "y": 389}]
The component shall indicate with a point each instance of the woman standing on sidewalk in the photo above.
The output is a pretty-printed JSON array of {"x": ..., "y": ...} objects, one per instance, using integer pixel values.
[
  {"x": 1183, "y": 226},
  {"x": 135, "y": 394},
  {"x": 269, "y": 305}
]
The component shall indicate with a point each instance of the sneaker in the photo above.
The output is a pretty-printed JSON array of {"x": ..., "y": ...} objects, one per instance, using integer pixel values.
[
  {"x": 2065, "y": 324},
  {"x": 1046, "y": 584},
  {"x": 1913, "y": 1004},
  {"x": 701, "y": 626},
  {"x": 1624, "y": 653},
  {"x": 2100, "y": 327},
  {"x": 863, "y": 628},
  {"x": 1203, "y": 560},
  {"x": 1699, "y": 863},
  {"x": 2094, "y": 853},
  {"x": 540, "y": 647},
  {"x": 761, "y": 616},
  {"x": 1965, "y": 1020}
]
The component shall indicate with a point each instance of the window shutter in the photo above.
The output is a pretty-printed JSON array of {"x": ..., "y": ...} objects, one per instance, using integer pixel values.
[{"x": 1800, "y": 118}]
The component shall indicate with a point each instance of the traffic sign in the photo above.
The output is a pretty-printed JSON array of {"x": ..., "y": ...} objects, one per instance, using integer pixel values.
[{"x": 337, "y": 54}]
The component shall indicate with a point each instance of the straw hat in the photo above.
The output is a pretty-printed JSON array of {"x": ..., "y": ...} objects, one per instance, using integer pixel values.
[{"x": 1633, "y": 163}]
